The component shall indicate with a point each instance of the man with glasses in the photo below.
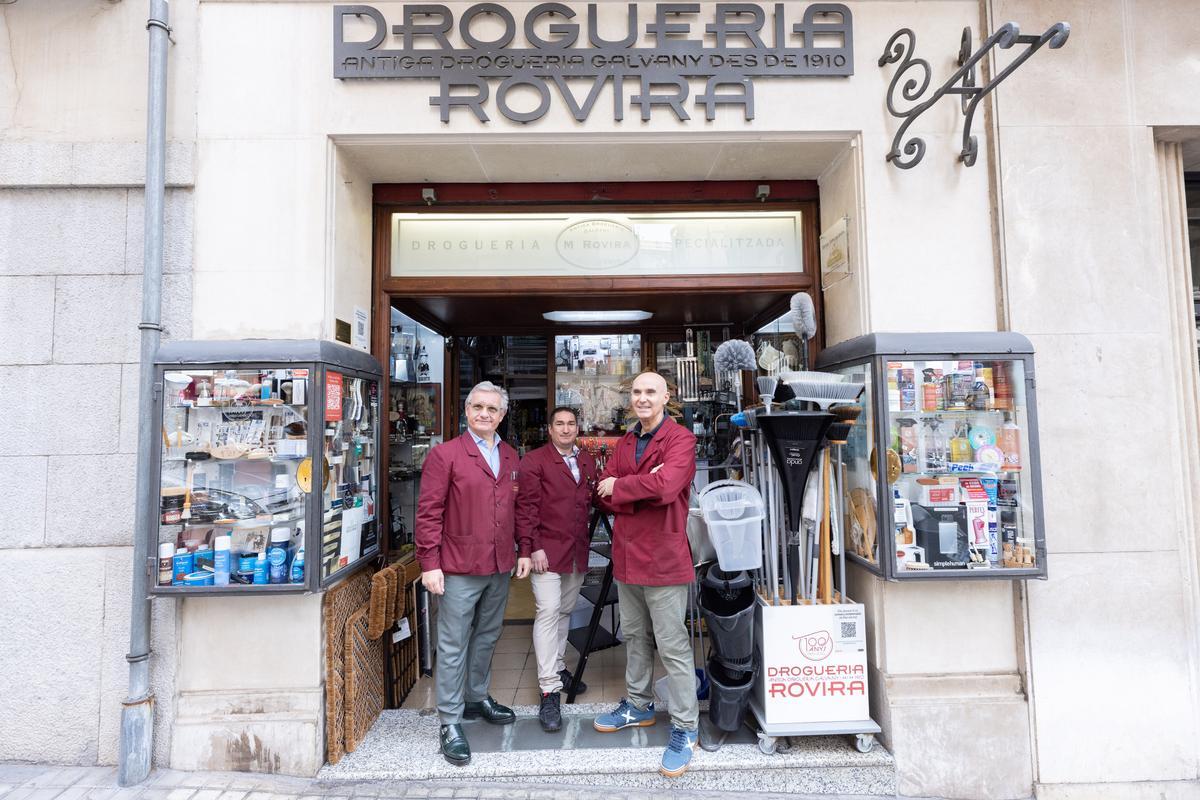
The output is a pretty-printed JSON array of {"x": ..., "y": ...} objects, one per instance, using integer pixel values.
[
  {"x": 558, "y": 482},
  {"x": 645, "y": 485},
  {"x": 466, "y": 546}
]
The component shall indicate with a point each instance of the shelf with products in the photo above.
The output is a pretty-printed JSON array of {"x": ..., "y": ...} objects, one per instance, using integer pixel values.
[
  {"x": 957, "y": 490},
  {"x": 263, "y": 444}
]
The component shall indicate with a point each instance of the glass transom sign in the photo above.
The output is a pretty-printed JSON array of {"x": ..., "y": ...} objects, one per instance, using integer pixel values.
[{"x": 699, "y": 243}]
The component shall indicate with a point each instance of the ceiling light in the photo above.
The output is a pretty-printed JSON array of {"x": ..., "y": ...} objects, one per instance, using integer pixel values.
[{"x": 620, "y": 315}]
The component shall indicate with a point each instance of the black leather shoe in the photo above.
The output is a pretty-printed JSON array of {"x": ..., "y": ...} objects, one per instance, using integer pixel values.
[
  {"x": 454, "y": 745},
  {"x": 550, "y": 715},
  {"x": 490, "y": 710},
  {"x": 566, "y": 680}
]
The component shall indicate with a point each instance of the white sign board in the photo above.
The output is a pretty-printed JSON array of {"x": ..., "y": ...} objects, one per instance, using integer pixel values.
[
  {"x": 814, "y": 664},
  {"x": 835, "y": 253},
  {"x": 427, "y": 245}
]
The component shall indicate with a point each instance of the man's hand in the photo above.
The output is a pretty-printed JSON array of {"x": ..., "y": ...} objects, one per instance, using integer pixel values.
[
  {"x": 656, "y": 469},
  {"x": 433, "y": 581},
  {"x": 605, "y": 487},
  {"x": 540, "y": 562},
  {"x": 523, "y": 566}
]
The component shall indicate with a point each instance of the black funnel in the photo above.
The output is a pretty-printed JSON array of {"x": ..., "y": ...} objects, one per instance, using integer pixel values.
[{"x": 794, "y": 438}]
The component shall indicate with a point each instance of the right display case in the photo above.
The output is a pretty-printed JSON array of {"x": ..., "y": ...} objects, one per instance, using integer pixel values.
[{"x": 940, "y": 474}]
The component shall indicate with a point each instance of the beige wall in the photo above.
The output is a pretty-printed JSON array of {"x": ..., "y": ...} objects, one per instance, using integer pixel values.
[{"x": 1113, "y": 632}]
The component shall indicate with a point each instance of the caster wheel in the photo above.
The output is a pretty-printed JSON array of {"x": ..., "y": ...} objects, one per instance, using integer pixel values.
[
  {"x": 766, "y": 744},
  {"x": 863, "y": 742}
]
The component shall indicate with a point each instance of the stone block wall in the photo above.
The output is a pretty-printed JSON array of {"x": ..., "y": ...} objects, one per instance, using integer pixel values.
[{"x": 70, "y": 302}]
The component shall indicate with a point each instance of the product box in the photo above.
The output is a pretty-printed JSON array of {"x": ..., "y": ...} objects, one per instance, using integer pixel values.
[
  {"x": 937, "y": 491},
  {"x": 812, "y": 664},
  {"x": 942, "y": 533}
]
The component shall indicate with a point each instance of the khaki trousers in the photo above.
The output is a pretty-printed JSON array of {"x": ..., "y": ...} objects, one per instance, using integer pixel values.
[
  {"x": 554, "y": 596},
  {"x": 655, "y": 615}
]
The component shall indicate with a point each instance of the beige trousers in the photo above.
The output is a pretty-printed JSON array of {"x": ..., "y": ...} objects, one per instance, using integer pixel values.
[
  {"x": 554, "y": 597},
  {"x": 654, "y": 616}
]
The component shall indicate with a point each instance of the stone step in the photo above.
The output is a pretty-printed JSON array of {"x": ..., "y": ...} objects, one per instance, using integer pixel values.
[{"x": 403, "y": 745}]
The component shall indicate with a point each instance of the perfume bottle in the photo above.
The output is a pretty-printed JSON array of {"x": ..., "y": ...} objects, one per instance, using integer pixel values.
[{"x": 422, "y": 364}]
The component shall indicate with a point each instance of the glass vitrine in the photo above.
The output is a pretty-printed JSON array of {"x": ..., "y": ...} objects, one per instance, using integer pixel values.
[
  {"x": 941, "y": 471},
  {"x": 267, "y": 471}
]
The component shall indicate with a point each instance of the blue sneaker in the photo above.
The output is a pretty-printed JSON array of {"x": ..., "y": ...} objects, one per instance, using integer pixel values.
[
  {"x": 625, "y": 715},
  {"x": 678, "y": 753}
]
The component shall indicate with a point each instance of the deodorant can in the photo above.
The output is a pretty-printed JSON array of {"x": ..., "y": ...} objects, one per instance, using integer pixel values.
[{"x": 166, "y": 565}]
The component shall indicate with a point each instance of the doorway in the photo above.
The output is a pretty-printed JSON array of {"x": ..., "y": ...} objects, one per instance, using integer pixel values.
[{"x": 459, "y": 309}]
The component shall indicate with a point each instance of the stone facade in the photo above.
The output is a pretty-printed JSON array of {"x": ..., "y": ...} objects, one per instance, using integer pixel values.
[{"x": 1083, "y": 685}]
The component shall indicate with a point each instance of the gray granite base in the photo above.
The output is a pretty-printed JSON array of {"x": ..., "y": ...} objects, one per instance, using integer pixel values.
[{"x": 403, "y": 745}]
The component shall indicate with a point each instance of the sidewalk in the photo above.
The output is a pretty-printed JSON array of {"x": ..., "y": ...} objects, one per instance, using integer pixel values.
[{"x": 31, "y": 782}]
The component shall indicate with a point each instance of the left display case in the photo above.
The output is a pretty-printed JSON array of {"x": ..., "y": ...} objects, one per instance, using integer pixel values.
[{"x": 267, "y": 471}]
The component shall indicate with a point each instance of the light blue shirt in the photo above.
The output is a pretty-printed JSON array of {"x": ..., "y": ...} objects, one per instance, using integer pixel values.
[
  {"x": 572, "y": 461},
  {"x": 491, "y": 453}
]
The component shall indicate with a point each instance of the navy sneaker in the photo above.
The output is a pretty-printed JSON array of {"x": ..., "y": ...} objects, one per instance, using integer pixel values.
[
  {"x": 678, "y": 753},
  {"x": 625, "y": 715}
]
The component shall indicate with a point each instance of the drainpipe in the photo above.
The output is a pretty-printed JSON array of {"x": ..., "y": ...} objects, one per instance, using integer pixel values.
[{"x": 137, "y": 712}]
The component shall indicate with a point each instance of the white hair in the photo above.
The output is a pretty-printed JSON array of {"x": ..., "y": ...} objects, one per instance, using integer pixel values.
[{"x": 488, "y": 386}]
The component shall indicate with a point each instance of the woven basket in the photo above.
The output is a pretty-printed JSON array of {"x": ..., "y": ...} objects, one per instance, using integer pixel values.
[
  {"x": 364, "y": 678},
  {"x": 338, "y": 604}
]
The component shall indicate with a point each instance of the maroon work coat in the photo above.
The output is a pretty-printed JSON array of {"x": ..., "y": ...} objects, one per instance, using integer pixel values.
[
  {"x": 650, "y": 544},
  {"x": 553, "y": 511},
  {"x": 465, "y": 520}
]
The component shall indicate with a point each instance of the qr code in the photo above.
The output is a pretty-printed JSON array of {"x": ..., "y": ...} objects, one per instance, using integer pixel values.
[{"x": 849, "y": 630}]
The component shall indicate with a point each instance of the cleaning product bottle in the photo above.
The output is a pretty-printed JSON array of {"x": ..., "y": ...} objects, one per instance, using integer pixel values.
[
  {"x": 221, "y": 560},
  {"x": 297, "y": 575},
  {"x": 1008, "y": 439},
  {"x": 277, "y": 554},
  {"x": 260, "y": 568},
  {"x": 960, "y": 445}
]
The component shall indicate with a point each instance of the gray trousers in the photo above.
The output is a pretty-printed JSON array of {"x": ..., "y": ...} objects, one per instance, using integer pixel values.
[
  {"x": 655, "y": 615},
  {"x": 470, "y": 618}
]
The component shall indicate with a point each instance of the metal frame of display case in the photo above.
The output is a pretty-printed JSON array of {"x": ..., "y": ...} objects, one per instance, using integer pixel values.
[
  {"x": 875, "y": 350},
  {"x": 318, "y": 356}
]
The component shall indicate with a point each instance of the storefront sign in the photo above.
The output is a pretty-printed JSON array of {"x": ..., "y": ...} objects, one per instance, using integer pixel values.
[
  {"x": 814, "y": 664},
  {"x": 611, "y": 244},
  {"x": 727, "y": 48}
]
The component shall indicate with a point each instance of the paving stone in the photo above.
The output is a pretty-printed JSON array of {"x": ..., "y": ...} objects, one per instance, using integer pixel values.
[
  {"x": 528, "y": 735},
  {"x": 102, "y": 793},
  {"x": 485, "y": 737}
]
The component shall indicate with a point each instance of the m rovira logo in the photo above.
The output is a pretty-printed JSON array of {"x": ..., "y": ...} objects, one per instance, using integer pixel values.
[
  {"x": 815, "y": 646},
  {"x": 597, "y": 244}
]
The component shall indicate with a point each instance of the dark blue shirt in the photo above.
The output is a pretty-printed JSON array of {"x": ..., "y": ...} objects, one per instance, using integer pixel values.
[{"x": 643, "y": 439}]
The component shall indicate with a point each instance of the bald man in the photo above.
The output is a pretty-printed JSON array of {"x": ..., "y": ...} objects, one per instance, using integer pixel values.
[{"x": 645, "y": 486}]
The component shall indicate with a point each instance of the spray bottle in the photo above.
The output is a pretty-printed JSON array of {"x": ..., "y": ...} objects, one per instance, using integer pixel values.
[
  {"x": 297, "y": 575},
  {"x": 221, "y": 557}
]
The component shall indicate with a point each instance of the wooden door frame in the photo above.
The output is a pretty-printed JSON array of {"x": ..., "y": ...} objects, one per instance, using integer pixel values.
[{"x": 632, "y": 197}]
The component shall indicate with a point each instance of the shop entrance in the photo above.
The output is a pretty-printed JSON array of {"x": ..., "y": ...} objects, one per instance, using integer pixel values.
[{"x": 559, "y": 337}]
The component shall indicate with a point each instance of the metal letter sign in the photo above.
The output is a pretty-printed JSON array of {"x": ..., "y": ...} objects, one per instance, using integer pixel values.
[{"x": 554, "y": 63}]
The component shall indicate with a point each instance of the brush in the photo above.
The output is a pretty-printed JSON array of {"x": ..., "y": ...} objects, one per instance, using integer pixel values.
[
  {"x": 826, "y": 393},
  {"x": 846, "y": 414},
  {"x": 766, "y": 390},
  {"x": 734, "y": 355},
  {"x": 791, "y": 376}
]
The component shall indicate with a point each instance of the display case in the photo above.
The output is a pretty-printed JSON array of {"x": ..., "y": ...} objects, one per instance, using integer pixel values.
[
  {"x": 593, "y": 373},
  {"x": 941, "y": 472},
  {"x": 414, "y": 422},
  {"x": 267, "y": 472}
]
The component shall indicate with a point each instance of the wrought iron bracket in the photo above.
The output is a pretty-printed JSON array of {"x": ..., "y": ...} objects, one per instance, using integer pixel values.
[{"x": 963, "y": 82}]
